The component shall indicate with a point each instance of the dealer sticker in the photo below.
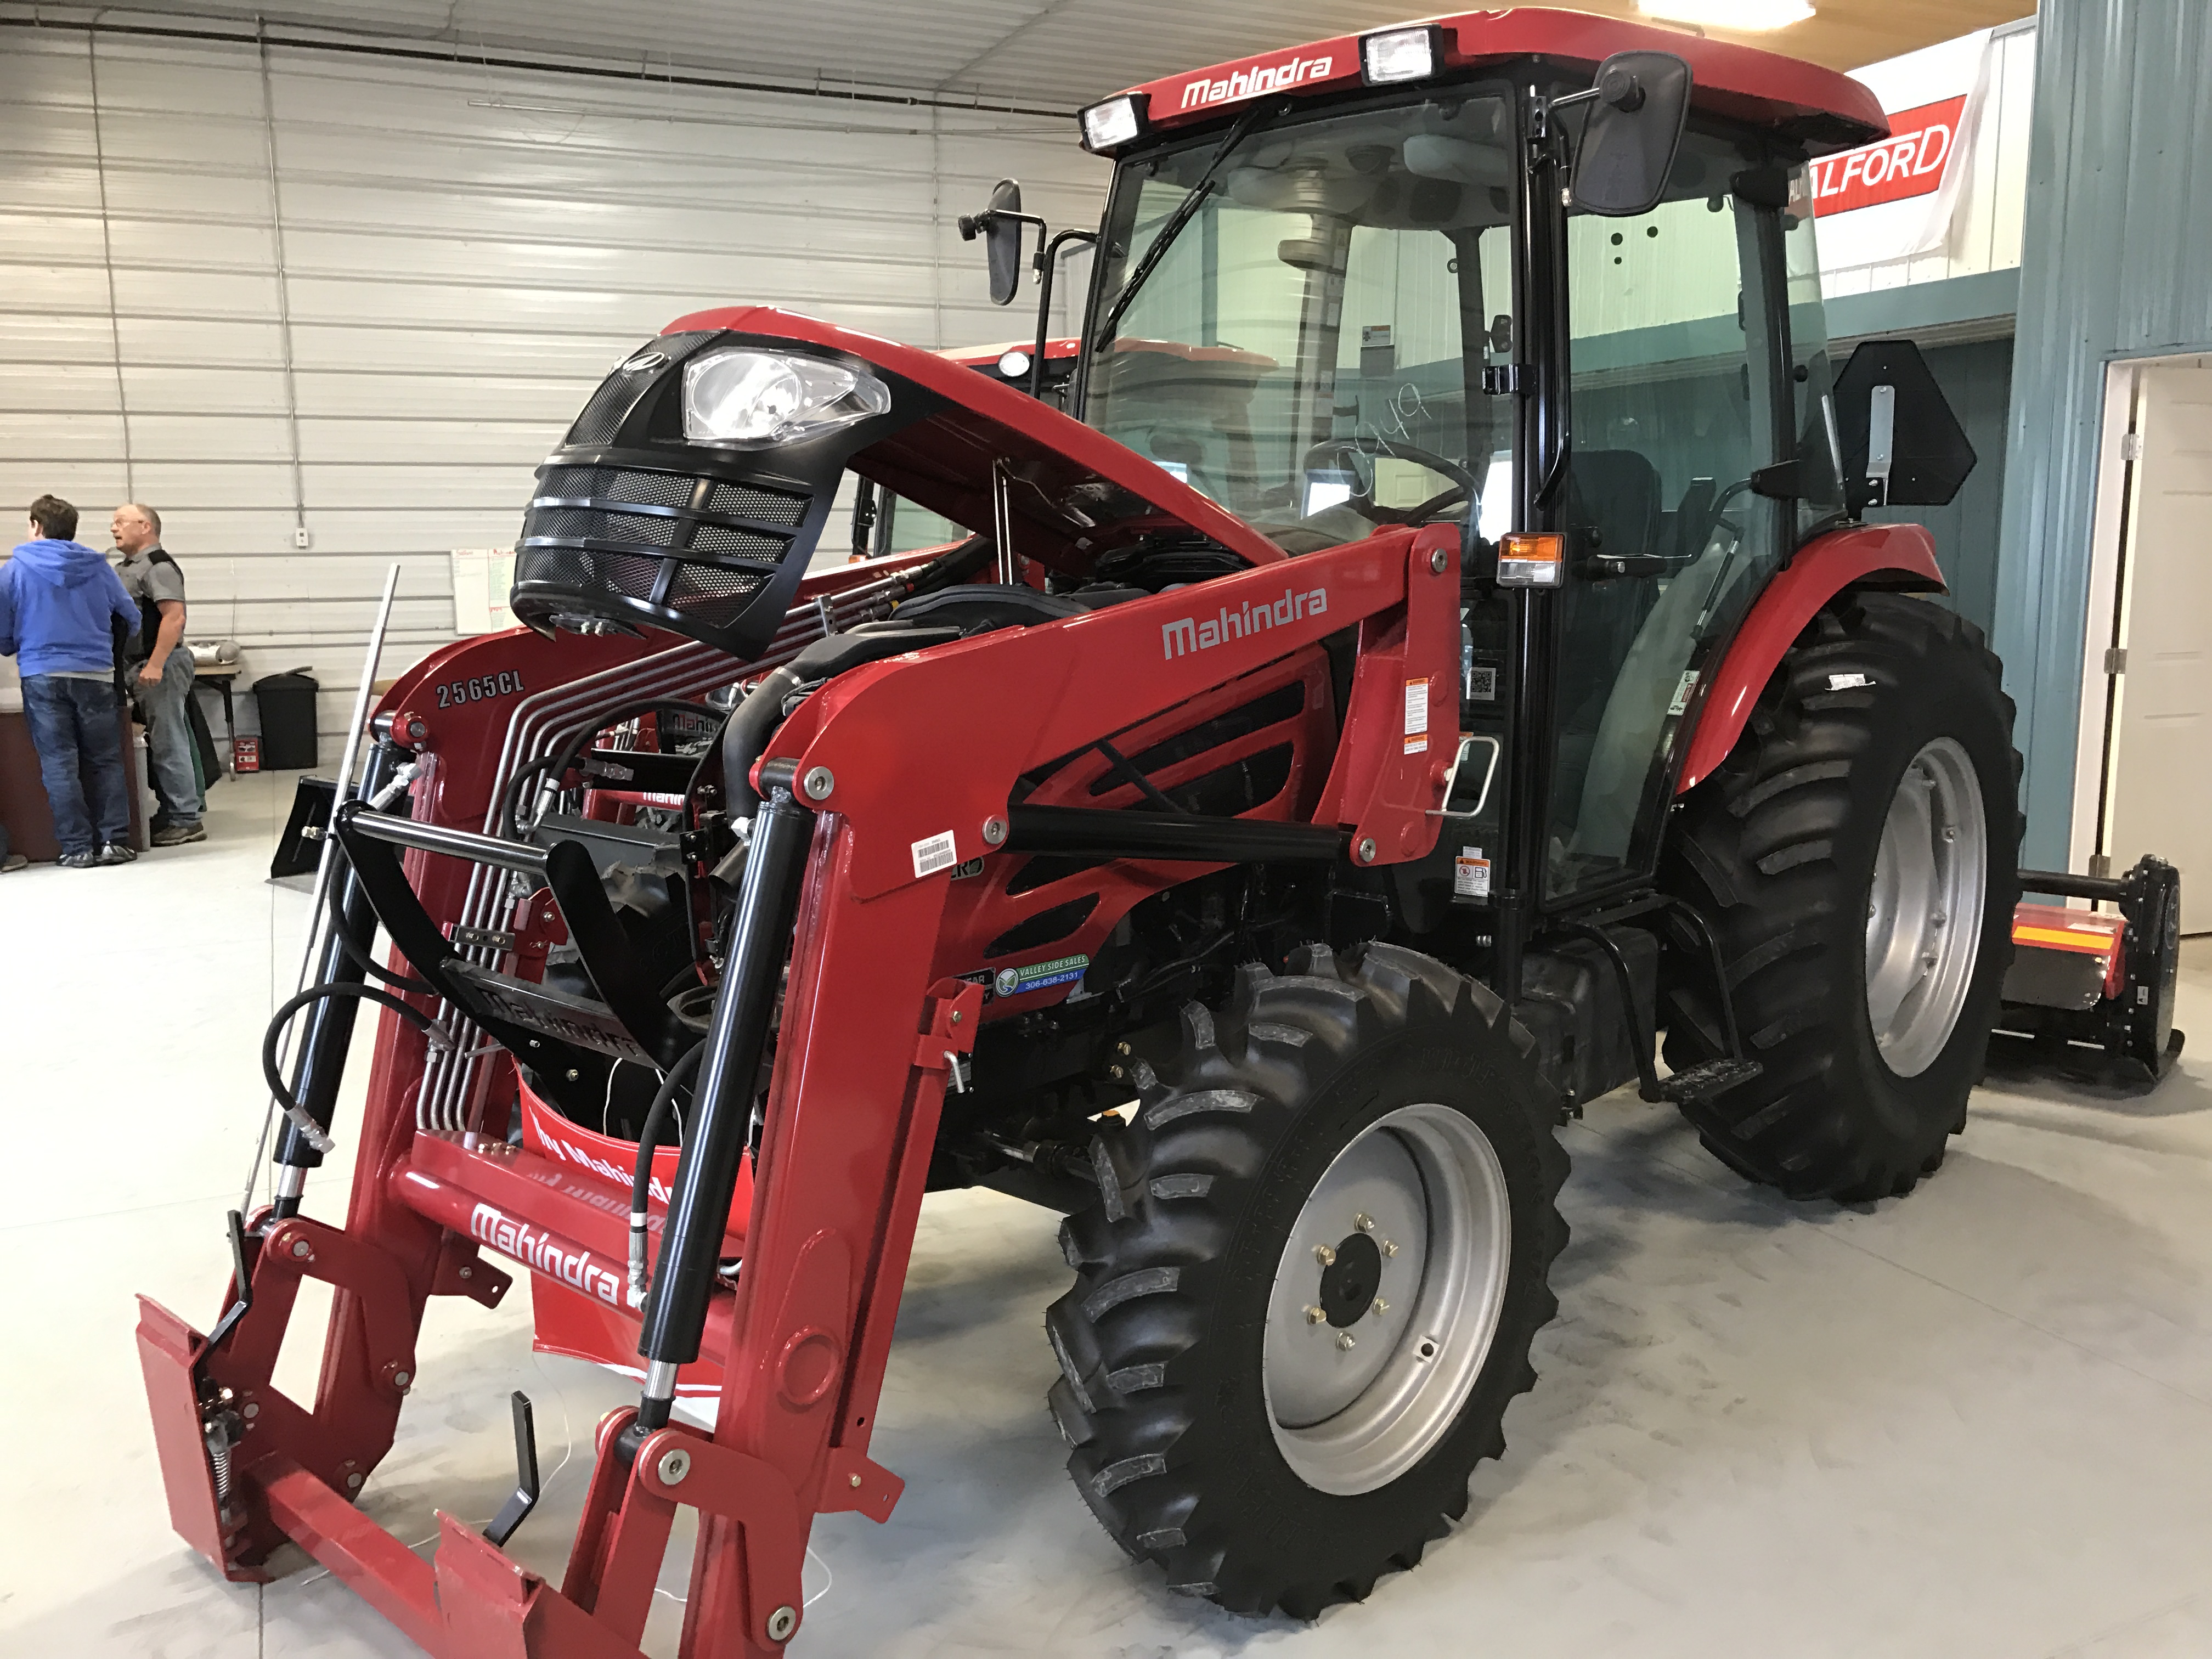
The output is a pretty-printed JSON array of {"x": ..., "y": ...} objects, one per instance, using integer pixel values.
[
  {"x": 934, "y": 854},
  {"x": 1470, "y": 874},
  {"x": 1039, "y": 975},
  {"x": 1689, "y": 683}
]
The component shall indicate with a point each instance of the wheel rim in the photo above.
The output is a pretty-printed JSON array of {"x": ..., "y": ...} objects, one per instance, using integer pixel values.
[
  {"x": 1350, "y": 1417},
  {"x": 1925, "y": 906}
]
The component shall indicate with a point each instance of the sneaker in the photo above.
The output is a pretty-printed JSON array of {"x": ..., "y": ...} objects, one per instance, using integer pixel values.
[
  {"x": 116, "y": 852},
  {"x": 12, "y": 863},
  {"x": 78, "y": 861},
  {"x": 176, "y": 834}
]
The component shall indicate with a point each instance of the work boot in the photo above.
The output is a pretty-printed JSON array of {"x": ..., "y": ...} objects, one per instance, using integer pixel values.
[
  {"x": 116, "y": 852},
  {"x": 78, "y": 861},
  {"x": 176, "y": 834}
]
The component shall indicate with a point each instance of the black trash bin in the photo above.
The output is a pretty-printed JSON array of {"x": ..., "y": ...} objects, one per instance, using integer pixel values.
[{"x": 288, "y": 720}]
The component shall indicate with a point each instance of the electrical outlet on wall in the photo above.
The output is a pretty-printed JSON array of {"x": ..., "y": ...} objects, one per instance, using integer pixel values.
[{"x": 301, "y": 538}]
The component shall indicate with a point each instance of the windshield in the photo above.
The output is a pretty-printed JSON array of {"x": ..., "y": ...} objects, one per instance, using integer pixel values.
[{"x": 1308, "y": 349}]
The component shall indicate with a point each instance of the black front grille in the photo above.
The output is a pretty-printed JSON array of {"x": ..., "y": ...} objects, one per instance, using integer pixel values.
[
  {"x": 768, "y": 505},
  {"x": 712, "y": 592},
  {"x": 580, "y": 524},
  {"x": 632, "y": 524},
  {"x": 619, "y": 392},
  {"x": 651, "y": 489},
  {"x": 603, "y": 416},
  {"x": 735, "y": 543},
  {"x": 626, "y": 574}
]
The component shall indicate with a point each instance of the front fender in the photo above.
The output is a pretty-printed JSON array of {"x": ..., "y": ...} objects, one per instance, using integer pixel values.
[{"x": 1900, "y": 556}]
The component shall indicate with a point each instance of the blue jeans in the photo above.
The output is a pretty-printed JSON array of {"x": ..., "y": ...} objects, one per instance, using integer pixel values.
[
  {"x": 76, "y": 727},
  {"x": 169, "y": 737}
]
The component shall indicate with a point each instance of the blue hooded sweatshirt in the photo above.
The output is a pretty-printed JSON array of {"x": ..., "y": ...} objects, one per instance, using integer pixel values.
[{"x": 57, "y": 603}]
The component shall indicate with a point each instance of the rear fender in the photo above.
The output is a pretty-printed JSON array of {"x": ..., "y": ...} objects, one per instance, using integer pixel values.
[{"x": 1900, "y": 558}]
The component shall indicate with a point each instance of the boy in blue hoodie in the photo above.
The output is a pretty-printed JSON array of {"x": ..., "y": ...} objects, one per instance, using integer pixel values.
[{"x": 59, "y": 605}]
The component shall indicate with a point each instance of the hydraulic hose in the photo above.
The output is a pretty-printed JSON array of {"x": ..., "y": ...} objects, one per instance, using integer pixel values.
[
  {"x": 751, "y": 724},
  {"x": 957, "y": 564},
  {"x": 640, "y": 1186},
  {"x": 368, "y": 964},
  {"x": 315, "y": 1134}
]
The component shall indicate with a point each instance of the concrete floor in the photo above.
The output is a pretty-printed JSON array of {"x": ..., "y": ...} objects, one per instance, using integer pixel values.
[{"x": 1976, "y": 1421}]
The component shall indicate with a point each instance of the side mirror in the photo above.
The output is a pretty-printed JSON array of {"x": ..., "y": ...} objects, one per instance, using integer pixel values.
[
  {"x": 1635, "y": 126},
  {"x": 1000, "y": 226},
  {"x": 1901, "y": 445}
]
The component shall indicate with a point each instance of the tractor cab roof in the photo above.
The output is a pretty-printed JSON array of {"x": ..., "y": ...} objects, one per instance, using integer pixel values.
[{"x": 1817, "y": 107}]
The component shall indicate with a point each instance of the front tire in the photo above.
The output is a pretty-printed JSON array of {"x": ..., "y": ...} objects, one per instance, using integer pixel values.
[
  {"x": 1857, "y": 855},
  {"x": 1307, "y": 1293}
]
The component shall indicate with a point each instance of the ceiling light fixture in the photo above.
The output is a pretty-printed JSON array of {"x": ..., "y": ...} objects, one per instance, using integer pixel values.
[{"x": 1750, "y": 16}]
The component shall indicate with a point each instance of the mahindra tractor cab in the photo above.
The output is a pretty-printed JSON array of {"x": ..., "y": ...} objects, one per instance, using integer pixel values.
[{"x": 1434, "y": 658}]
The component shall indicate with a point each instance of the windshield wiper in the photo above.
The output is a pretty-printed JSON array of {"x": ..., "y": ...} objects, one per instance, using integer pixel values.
[{"x": 1185, "y": 210}]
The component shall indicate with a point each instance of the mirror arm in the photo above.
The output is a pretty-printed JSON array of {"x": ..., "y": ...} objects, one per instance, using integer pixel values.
[
  {"x": 1047, "y": 258},
  {"x": 972, "y": 225}
]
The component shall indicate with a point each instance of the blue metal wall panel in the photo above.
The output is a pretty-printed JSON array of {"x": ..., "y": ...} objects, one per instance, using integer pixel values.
[{"x": 2117, "y": 261}]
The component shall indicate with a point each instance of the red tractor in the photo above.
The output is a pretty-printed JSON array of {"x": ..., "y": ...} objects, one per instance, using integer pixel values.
[{"x": 1444, "y": 659}]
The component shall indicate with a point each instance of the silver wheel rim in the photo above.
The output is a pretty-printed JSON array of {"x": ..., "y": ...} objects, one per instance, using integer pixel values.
[
  {"x": 1351, "y": 1417},
  {"x": 1925, "y": 906}
]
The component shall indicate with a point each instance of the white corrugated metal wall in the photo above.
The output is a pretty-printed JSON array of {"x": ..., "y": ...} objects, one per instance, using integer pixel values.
[{"x": 380, "y": 348}]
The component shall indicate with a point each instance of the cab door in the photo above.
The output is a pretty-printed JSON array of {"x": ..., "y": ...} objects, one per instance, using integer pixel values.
[{"x": 1697, "y": 349}]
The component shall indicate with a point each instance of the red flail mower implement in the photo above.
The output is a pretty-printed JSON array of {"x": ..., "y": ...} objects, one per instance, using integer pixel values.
[{"x": 1446, "y": 673}]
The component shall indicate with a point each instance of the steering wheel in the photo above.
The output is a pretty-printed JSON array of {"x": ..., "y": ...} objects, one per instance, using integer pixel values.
[{"x": 1464, "y": 486}]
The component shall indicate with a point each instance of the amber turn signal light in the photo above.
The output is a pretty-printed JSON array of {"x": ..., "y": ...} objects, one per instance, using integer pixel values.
[{"x": 1532, "y": 558}]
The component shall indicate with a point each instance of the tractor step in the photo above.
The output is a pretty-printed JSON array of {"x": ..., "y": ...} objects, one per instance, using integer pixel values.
[{"x": 1706, "y": 1079}]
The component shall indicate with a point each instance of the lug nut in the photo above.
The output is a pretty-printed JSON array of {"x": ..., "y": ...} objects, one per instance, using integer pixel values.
[
  {"x": 1325, "y": 1255},
  {"x": 855, "y": 1479},
  {"x": 1381, "y": 1306},
  {"x": 1314, "y": 1315},
  {"x": 1388, "y": 1249},
  {"x": 1345, "y": 1344},
  {"x": 1364, "y": 1221}
]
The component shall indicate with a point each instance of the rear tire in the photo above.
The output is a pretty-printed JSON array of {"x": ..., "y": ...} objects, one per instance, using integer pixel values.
[
  {"x": 1383, "y": 1107},
  {"x": 1873, "y": 794}
]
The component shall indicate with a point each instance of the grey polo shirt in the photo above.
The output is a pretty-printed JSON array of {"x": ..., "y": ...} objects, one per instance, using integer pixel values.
[
  {"x": 148, "y": 579},
  {"x": 144, "y": 579}
]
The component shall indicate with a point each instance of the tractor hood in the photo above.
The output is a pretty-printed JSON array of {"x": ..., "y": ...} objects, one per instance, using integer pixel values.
[{"x": 671, "y": 505}]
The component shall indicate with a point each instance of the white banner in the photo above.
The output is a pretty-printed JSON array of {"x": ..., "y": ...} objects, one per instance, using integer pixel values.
[{"x": 1899, "y": 198}]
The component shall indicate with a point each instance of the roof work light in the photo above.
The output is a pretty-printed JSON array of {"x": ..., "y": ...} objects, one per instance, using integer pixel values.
[
  {"x": 1109, "y": 126},
  {"x": 1389, "y": 56}
]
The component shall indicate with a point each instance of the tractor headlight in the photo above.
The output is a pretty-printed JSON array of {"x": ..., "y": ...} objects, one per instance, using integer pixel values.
[
  {"x": 1407, "y": 54},
  {"x": 748, "y": 399},
  {"x": 1109, "y": 126}
]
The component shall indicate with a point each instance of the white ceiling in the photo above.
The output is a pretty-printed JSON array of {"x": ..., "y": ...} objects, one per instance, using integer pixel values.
[{"x": 1055, "y": 54}]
